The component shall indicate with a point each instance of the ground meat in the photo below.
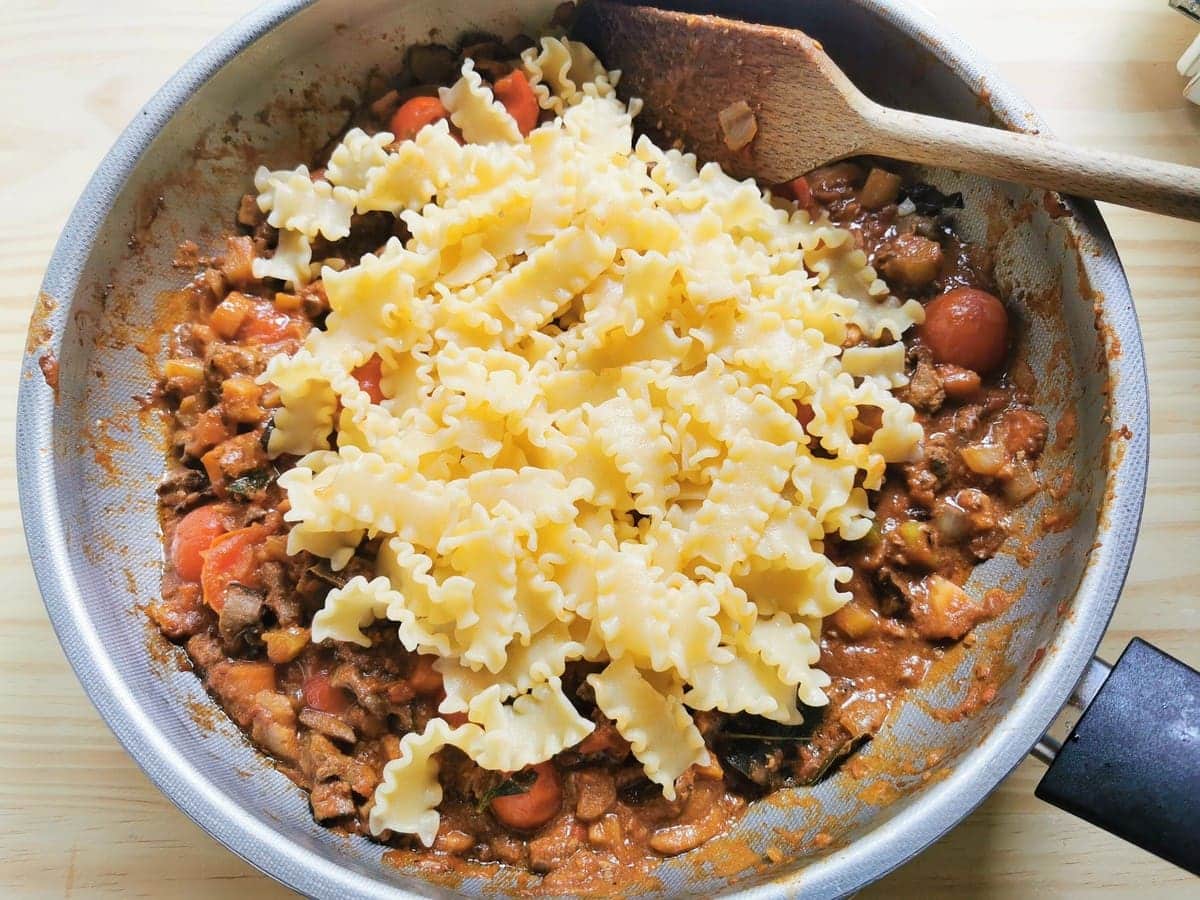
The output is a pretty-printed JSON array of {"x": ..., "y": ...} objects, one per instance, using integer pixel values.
[
  {"x": 181, "y": 613},
  {"x": 333, "y": 715},
  {"x": 189, "y": 339},
  {"x": 929, "y": 475},
  {"x": 224, "y": 360},
  {"x": 910, "y": 261},
  {"x": 331, "y": 800},
  {"x": 181, "y": 489},
  {"x": 555, "y": 843},
  {"x": 205, "y": 651},
  {"x": 924, "y": 390},
  {"x": 329, "y": 725},
  {"x": 1023, "y": 431},
  {"x": 370, "y": 690},
  {"x": 282, "y": 597},
  {"x": 595, "y": 793},
  {"x": 242, "y": 612},
  {"x": 239, "y": 455}
]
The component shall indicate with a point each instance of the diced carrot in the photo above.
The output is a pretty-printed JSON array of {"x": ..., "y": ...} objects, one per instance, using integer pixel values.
[
  {"x": 414, "y": 115},
  {"x": 237, "y": 265},
  {"x": 193, "y": 535},
  {"x": 319, "y": 693},
  {"x": 230, "y": 559},
  {"x": 514, "y": 91},
  {"x": 246, "y": 679},
  {"x": 369, "y": 375},
  {"x": 425, "y": 679},
  {"x": 285, "y": 644},
  {"x": 212, "y": 468},
  {"x": 230, "y": 313}
]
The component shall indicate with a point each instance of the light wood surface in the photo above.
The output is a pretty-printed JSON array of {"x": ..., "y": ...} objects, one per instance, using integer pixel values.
[{"x": 77, "y": 817}]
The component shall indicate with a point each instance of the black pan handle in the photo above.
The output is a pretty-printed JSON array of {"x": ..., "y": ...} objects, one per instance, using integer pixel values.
[{"x": 1131, "y": 764}]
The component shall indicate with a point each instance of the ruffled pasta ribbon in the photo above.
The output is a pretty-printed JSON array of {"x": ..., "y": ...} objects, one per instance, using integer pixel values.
[{"x": 592, "y": 354}]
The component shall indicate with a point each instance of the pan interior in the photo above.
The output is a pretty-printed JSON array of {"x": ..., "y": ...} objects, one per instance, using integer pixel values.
[{"x": 276, "y": 103}]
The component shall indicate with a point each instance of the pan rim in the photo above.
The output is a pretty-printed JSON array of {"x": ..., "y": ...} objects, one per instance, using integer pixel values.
[{"x": 864, "y": 860}]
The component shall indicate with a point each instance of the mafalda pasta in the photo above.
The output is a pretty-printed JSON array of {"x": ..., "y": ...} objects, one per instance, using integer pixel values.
[{"x": 592, "y": 353}]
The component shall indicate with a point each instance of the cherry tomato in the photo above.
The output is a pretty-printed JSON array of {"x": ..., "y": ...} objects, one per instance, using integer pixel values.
[
  {"x": 536, "y": 806},
  {"x": 966, "y": 327},
  {"x": 368, "y": 375},
  {"x": 320, "y": 694},
  {"x": 414, "y": 115},
  {"x": 514, "y": 92},
  {"x": 193, "y": 535},
  {"x": 228, "y": 559},
  {"x": 267, "y": 325}
]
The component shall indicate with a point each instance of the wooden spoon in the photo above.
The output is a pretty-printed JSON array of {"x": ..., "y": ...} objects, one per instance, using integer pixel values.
[{"x": 778, "y": 86}]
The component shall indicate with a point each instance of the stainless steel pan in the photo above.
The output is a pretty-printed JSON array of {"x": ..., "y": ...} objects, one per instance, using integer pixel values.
[{"x": 267, "y": 91}]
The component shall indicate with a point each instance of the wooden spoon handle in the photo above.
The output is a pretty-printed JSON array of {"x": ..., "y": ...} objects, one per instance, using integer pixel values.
[{"x": 1159, "y": 187}]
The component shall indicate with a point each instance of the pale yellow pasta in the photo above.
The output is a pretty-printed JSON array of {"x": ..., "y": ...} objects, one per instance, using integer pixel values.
[
  {"x": 293, "y": 201},
  {"x": 407, "y": 797},
  {"x": 591, "y": 357},
  {"x": 349, "y": 609},
  {"x": 562, "y": 72},
  {"x": 886, "y": 363},
  {"x": 533, "y": 728},
  {"x": 545, "y": 657},
  {"x": 480, "y": 117},
  {"x": 654, "y": 721},
  {"x": 355, "y": 157},
  {"x": 290, "y": 262}
]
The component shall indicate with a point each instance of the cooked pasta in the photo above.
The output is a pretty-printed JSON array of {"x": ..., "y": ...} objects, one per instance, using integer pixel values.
[{"x": 592, "y": 353}]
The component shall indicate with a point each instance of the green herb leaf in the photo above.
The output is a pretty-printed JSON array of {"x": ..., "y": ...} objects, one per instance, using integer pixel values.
[
  {"x": 769, "y": 738},
  {"x": 250, "y": 483},
  {"x": 322, "y": 571},
  {"x": 519, "y": 783},
  {"x": 929, "y": 201},
  {"x": 749, "y": 743}
]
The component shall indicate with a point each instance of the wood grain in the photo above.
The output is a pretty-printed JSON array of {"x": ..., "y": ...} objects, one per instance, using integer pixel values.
[
  {"x": 691, "y": 70},
  {"x": 77, "y": 817}
]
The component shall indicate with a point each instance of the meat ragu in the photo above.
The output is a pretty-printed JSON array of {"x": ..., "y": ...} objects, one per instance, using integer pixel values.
[{"x": 332, "y": 715}]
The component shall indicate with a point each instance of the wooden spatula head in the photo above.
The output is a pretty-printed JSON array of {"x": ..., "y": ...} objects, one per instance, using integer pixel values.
[
  {"x": 703, "y": 77},
  {"x": 767, "y": 102}
]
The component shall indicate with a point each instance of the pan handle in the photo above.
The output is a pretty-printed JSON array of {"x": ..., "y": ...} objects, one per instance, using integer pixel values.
[{"x": 1131, "y": 764}]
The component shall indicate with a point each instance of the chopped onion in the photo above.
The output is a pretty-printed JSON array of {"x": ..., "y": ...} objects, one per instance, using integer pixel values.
[
  {"x": 863, "y": 716},
  {"x": 985, "y": 459},
  {"x": 1022, "y": 485},
  {"x": 738, "y": 125},
  {"x": 952, "y": 522}
]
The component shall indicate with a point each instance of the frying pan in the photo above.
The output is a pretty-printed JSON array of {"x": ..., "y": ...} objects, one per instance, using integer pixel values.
[{"x": 273, "y": 89}]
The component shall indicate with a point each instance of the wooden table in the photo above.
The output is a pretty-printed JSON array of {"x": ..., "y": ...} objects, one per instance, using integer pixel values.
[{"x": 77, "y": 817}]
